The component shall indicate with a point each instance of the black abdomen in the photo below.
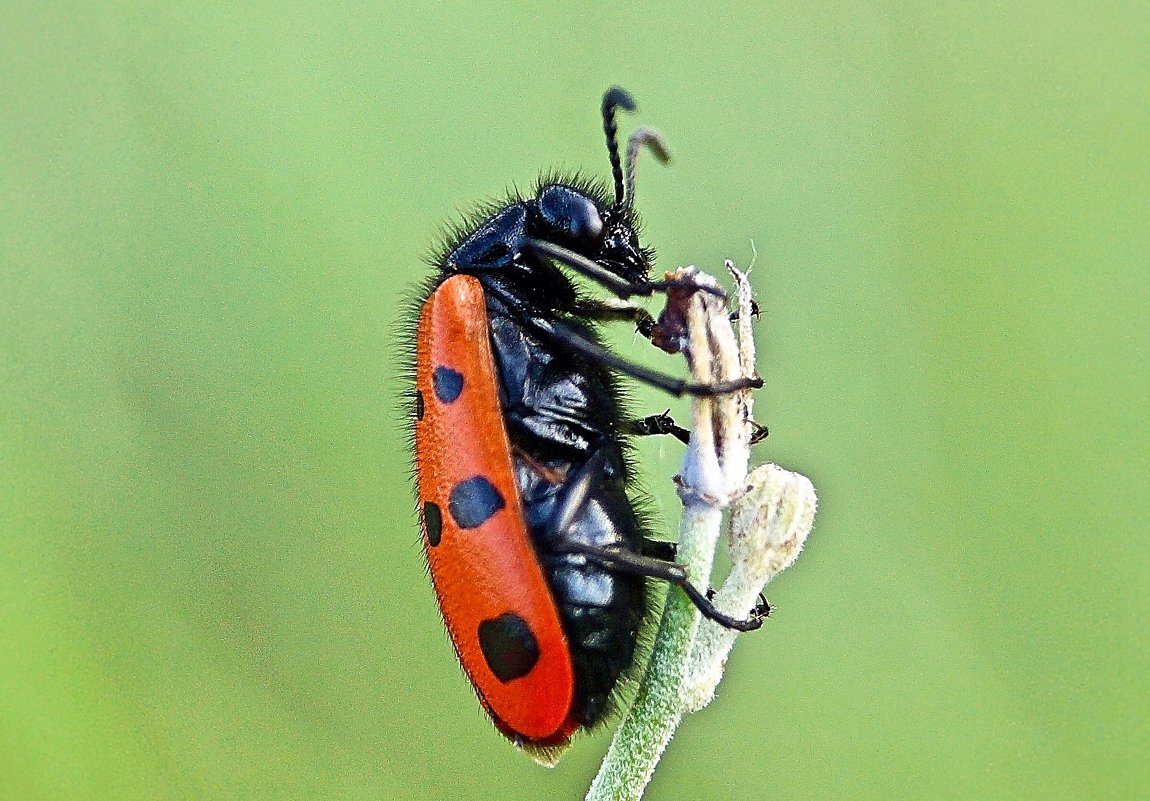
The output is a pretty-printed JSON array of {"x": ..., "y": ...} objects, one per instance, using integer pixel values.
[{"x": 560, "y": 413}]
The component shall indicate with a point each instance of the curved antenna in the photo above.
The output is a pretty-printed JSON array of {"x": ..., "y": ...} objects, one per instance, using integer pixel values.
[
  {"x": 655, "y": 143},
  {"x": 612, "y": 99}
]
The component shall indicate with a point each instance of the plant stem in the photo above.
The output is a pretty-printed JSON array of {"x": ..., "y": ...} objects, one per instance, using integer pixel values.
[
  {"x": 658, "y": 708},
  {"x": 774, "y": 511}
]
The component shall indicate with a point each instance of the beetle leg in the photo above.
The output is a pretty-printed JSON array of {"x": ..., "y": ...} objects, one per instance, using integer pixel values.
[
  {"x": 577, "y": 341},
  {"x": 574, "y": 496},
  {"x": 663, "y": 424},
  {"x": 615, "y": 310},
  {"x": 576, "y": 490},
  {"x": 658, "y": 549},
  {"x": 601, "y": 275},
  {"x": 575, "y": 493},
  {"x": 672, "y": 572},
  {"x": 660, "y": 424},
  {"x": 759, "y": 432},
  {"x": 754, "y": 312}
]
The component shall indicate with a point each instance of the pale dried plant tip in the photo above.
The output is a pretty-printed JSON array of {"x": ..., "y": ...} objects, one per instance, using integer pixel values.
[{"x": 768, "y": 528}]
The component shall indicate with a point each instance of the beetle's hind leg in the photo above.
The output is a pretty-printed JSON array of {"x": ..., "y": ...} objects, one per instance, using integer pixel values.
[
  {"x": 642, "y": 565},
  {"x": 646, "y": 563}
]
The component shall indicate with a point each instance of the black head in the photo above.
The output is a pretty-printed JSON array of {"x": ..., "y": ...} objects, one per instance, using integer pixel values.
[{"x": 579, "y": 218}]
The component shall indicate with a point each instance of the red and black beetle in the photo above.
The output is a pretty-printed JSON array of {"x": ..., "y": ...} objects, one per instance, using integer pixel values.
[{"x": 537, "y": 555}]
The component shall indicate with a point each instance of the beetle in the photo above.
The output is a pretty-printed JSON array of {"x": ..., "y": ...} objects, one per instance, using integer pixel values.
[{"x": 537, "y": 554}]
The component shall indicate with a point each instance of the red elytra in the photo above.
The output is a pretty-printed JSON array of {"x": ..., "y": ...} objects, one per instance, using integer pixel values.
[{"x": 489, "y": 569}]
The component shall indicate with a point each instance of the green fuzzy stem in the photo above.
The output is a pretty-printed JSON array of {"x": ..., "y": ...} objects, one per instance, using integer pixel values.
[{"x": 658, "y": 706}]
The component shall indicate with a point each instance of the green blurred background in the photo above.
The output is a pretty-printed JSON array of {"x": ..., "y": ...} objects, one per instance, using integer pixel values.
[{"x": 210, "y": 579}]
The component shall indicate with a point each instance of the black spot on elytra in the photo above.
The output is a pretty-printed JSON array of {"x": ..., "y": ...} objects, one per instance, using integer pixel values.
[
  {"x": 418, "y": 405},
  {"x": 473, "y": 501},
  {"x": 508, "y": 645},
  {"x": 432, "y": 522},
  {"x": 447, "y": 384}
]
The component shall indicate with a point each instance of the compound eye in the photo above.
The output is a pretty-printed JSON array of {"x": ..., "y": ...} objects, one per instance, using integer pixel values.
[{"x": 571, "y": 215}]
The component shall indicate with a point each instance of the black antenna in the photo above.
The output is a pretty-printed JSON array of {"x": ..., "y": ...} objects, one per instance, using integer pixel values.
[{"x": 615, "y": 98}]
